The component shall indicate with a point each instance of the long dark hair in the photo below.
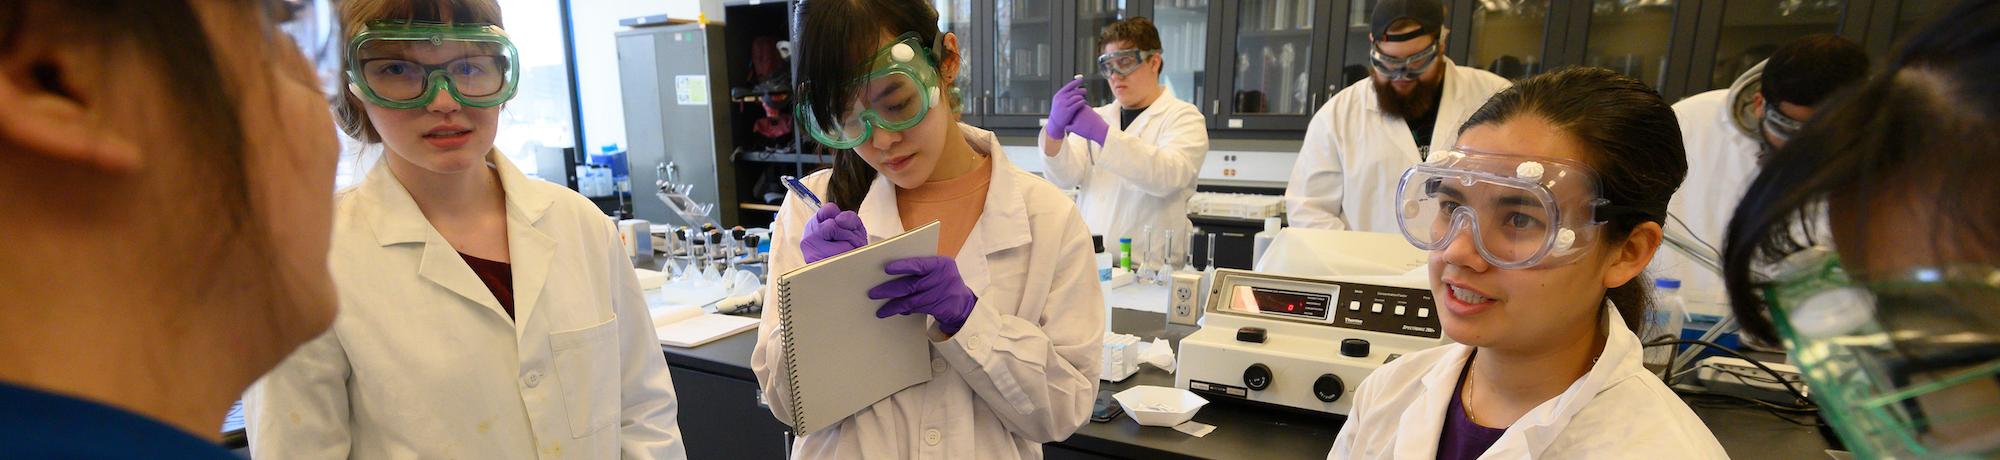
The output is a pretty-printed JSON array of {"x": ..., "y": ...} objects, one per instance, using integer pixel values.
[
  {"x": 1634, "y": 145},
  {"x": 1928, "y": 123},
  {"x": 833, "y": 37}
]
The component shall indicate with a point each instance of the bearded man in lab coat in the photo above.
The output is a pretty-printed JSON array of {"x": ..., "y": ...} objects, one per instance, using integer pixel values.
[
  {"x": 1728, "y": 133},
  {"x": 1360, "y": 142},
  {"x": 1142, "y": 172}
]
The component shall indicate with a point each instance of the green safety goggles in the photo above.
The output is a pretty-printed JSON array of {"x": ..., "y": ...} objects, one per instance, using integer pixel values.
[
  {"x": 895, "y": 95},
  {"x": 404, "y": 64},
  {"x": 1905, "y": 365}
]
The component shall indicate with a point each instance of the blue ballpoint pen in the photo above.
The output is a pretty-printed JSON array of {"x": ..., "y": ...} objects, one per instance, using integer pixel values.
[{"x": 812, "y": 201}]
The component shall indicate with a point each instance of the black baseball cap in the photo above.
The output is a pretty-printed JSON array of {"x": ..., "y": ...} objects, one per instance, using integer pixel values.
[{"x": 1428, "y": 14}]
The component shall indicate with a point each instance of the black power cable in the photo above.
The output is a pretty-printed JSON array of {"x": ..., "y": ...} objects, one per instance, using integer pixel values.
[{"x": 1801, "y": 395}]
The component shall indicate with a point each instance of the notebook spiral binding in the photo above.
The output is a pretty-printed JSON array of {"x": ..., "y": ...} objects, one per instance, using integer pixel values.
[{"x": 791, "y": 359}]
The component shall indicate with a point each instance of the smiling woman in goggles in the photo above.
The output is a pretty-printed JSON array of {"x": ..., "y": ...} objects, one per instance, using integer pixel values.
[
  {"x": 1521, "y": 211},
  {"x": 1539, "y": 225}
]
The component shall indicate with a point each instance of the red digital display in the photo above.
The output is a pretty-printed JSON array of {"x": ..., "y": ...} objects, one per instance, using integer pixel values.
[{"x": 1277, "y": 301}]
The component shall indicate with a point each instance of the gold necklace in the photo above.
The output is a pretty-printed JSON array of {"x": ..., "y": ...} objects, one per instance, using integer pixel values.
[{"x": 1465, "y": 400}]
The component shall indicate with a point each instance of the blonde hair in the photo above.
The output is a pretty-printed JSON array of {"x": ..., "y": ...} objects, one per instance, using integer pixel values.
[{"x": 355, "y": 16}]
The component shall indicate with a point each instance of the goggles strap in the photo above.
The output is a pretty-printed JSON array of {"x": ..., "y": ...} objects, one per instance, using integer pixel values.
[{"x": 1406, "y": 36}]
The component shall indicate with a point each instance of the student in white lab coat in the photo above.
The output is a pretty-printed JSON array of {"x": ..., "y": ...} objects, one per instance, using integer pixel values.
[
  {"x": 1141, "y": 172},
  {"x": 1015, "y": 311},
  {"x": 484, "y": 314},
  {"x": 1539, "y": 224},
  {"x": 1360, "y": 142},
  {"x": 1729, "y": 131},
  {"x": 1893, "y": 315}
]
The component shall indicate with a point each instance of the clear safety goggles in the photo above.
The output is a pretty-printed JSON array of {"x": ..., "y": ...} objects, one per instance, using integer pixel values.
[
  {"x": 404, "y": 64},
  {"x": 1123, "y": 62},
  {"x": 1778, "y": 125},
  {"x": 1520, "y": 211},
  {"x": 1905, "y": 365},
  {"x": 894, "y": 96},
  {"x": 1403, "y": 68}
]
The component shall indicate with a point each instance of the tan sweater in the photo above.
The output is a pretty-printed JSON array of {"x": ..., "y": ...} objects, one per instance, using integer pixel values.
[{"x": 955, "y": 202}]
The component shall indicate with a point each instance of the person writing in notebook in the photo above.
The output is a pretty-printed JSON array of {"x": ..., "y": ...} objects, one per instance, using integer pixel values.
[{"x": 1016, "y": 318}]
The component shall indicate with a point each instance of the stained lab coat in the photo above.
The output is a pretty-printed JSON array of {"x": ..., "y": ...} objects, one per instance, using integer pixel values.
[
  {"x": 1722, "y": 159},
  {"x": 1023, "y": 369},
  {"x": 1142, "y": 175},
  {"x": 1616, "y": 410},
  {"x": 422, "y": 362},
  {"x": 1345, "y": 175}
]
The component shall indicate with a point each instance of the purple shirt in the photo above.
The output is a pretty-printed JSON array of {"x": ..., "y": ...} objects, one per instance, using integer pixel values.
[{"x": 1462, "y": 439}]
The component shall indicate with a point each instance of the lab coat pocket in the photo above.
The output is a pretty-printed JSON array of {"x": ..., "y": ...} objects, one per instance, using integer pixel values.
[{"x": 586, "y": 362}]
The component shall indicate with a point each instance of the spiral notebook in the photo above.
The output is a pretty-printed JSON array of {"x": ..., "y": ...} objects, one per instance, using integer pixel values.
[{"x": 839, "y": 358}]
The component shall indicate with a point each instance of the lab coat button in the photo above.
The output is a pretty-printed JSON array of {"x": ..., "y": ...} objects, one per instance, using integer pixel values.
[
  {"x": 975, "y": 344},
  {"x": 533, "y": 379},
  {"x": 932, "y": 437},
  {"x": 938, "y": 364}
]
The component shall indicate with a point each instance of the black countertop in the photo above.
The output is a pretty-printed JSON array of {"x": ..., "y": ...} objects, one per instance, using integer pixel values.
[{"x": 1246, "y": 431}]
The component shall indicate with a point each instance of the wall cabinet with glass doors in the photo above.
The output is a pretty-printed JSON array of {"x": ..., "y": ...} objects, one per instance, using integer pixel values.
[{"x": 1261, "y": 68}]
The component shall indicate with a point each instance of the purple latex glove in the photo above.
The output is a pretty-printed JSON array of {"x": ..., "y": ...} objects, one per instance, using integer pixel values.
[
  {"x": 831, "y": 232},
  {"x": 1085, "y": 122},
  {"x": 1060, "y": 111},
  {"x": 931, "y": 286}
]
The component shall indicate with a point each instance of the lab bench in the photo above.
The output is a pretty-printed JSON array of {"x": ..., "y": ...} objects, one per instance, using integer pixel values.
[{"x": 721, "y": 418}]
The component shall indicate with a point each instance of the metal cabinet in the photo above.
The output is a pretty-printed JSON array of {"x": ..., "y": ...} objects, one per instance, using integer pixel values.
[
  {"x": 677, "y": 118},
  {"x": 1892, "y": 22},
  {"x": 1679, "y": 47},
  {"x": 1633, "y": 38},
  {"x": 1184, "y": 30},
  {"x": 1735, "y": 35},
  {"x": 1273, "y": 59},
  {"x": 1017, "y": 53},
  {"x": 1508, "y": 38},
  {"x": 720, "y": 417},
  {"x": 1261, "y": 68},
  {"x": 1087, "y": 17},
  {"x": 955, "y": 17},
  {"x": 1024, "y": 62}
]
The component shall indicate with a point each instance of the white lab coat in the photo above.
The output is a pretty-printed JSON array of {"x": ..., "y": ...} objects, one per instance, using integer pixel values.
[
  {"x": 422, "y": 362},
  {"x": 1616, "y": 410},
  {"x": 1722, "y": 160},
  {"x": 1142, "y": 175},
  {"x": 1022, "y": 371},
  {"x": 1345, "y": 175}
]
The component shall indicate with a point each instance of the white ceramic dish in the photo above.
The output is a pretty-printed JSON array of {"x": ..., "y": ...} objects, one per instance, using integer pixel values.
[{"x": 1159, "y": 406}]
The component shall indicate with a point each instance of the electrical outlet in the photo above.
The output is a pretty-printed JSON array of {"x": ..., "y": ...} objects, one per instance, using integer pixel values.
[{"x": 1183, "y": 299}]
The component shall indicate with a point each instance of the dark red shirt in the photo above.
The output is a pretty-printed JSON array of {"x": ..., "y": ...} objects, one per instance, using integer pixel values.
[{"x": 499, "y": 278}]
